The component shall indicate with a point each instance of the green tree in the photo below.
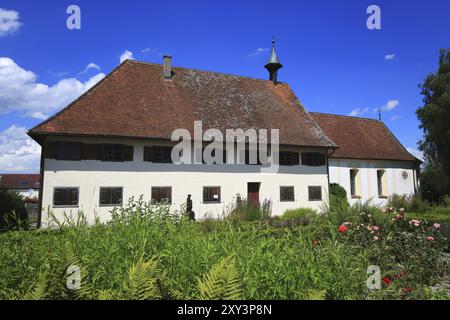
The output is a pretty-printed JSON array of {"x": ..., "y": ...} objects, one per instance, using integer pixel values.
[
  {"x": 434, "y": 119},
  {"x": 13, "y": 214}
]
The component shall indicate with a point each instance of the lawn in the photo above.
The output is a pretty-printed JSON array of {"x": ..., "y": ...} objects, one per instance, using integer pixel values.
[{"x": 151, "y": 253}]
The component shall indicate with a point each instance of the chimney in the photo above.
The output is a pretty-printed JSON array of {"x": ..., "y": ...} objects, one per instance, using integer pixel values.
[{"x": 167, "y": 67}]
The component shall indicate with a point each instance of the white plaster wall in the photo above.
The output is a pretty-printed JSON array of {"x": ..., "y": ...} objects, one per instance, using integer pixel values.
[
  {"x": 339, "y": 170},
  {"x": 138, "y": 177}
]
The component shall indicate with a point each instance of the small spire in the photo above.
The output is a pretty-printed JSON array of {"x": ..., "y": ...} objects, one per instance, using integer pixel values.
[{"x": 273, "y": 65}]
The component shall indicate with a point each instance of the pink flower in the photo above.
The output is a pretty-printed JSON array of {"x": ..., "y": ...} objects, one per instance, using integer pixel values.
[
  {"x": 437, "y": 226},
  {"x": 430, "y": 238},
  {"x": 415, "y": 222}
]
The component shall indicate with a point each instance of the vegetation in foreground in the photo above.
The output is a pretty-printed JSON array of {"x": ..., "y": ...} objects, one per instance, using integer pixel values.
[{"x": 147, "y": 252}]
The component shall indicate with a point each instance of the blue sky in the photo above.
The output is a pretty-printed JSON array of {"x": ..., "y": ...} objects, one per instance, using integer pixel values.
[{"x": 333, "y": 62}]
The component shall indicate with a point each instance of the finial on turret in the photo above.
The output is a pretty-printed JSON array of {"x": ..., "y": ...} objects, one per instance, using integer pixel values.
[{"x": 273, "y": 65}]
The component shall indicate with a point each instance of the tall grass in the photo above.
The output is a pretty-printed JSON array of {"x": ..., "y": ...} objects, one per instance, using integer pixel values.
[
  {"x": 185, "y": 258},
  {"x": 270, "y": 264}
]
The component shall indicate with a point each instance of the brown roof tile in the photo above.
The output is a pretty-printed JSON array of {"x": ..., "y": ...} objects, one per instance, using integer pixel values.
[
  {"x": 135, "y": 101},
  {"x": 19, "y": 181},
  {"x": 361, "y": 138}
]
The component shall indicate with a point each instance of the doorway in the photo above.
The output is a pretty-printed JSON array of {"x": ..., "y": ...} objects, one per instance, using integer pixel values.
[{"x": 253, "y": 193}]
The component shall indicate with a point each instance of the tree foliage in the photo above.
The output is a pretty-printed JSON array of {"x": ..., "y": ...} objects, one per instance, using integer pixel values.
[
  {"x": 434, "y": 117},
  {"x": 13, "y": 214}
]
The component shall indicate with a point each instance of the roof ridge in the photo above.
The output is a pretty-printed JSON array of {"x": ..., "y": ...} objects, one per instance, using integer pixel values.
[
  {"x": 344, "y": 116},
  {"x": 206, "y": 71}
]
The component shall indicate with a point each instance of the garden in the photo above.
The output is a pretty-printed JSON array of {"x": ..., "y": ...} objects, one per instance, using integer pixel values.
[{"x": 146, "y": 251}]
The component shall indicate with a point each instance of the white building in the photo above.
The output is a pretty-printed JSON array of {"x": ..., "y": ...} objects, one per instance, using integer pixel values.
[
  {"x": 114, "y": 142},
  {"x": 370, "y": 163}
]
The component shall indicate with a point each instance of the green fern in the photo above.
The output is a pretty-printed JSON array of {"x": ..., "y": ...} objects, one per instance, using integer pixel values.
[
  {"x": 39, "y": 291},
  {"x": 315, "y": 294},
  {"x": 143, "y": 281},
  {"x": 107, "y": 295},
  {"x": 222, "y": 282},
  {"x": 53, "y": 284},
  {"x": 85, "y": 290}
]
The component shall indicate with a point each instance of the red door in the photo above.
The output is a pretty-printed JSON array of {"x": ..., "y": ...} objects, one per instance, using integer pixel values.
[{"x": 253, "y": 193}]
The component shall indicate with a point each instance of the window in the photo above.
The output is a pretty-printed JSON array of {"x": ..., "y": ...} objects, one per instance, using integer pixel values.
[
  {"x": 287, "y": 194},
  {"x": 353, "y": 175},
  {"x": 117, "y": 153},
  {"x": 65, "y": 197},
  {"x": 314, "y": 159},
  {"x": 380, "y": 180},
  {"x": 161, "y": 194},
  {"x": 24, "y": 184},
  {"x": 211, "y": 194},
  {"x": 315, "y": 193},
  {"x": 288, "y": 158},
  {"x": 213, "y": 154},
  {"x": 68, "y": 151},
  {"x": 111, "y": 196},
  {"x": 250, "y": 160},
  {"x": 158, "y": 154}
]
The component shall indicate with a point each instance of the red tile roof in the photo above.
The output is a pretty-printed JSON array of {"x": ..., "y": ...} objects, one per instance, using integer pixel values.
[
  {"x": 19, "y": 181},
  {"x": 361, "y": 138},
  {"x": 135, "y": 101}
]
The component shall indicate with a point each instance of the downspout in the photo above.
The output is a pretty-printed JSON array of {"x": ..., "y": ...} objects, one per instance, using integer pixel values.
[
  {"x": 41, "y": 184},
  {"x": 328, "y": 172}
]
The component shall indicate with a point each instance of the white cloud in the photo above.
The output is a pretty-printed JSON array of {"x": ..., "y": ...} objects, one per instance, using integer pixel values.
[
  {"x": 390, "y": 56},
  {"x": 390, "y": 105},
  {"x": 146, "y": 50},
  {"x": 9, "y": 22},
  {"x": 358, "y": 112},
  {"x": 394, "y": 117},
  {"x": 20, "y": 91},
  {"x": 126, "y": 55},
  {"x": 18, "y": 152},
  {"x": 258, "y": 52},
  {"x": 416, "y": 153},
  {"x": 89, "y": 67}
]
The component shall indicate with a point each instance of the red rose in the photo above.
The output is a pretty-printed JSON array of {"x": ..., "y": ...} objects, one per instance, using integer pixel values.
[
  {"x": 407, "y": 289},
  {"x": 316, "y": 243},
  {"x": 343, "y": 229},
  {"x": 386, "y": 281},
  {"x": 395, "y": 276}
]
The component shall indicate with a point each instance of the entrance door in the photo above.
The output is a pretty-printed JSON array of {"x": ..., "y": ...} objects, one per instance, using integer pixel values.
[{"x": 253, "y": 193}]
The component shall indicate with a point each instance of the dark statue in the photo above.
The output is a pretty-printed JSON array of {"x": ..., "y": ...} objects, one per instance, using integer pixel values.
[{"x": 189, "y": 211}]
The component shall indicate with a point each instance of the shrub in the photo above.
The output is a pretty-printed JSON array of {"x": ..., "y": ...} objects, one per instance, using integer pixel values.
[
  {"x": 399, "y": 201},
  {"x": 446, "y": 200},
  {"x": 417, "y": 204},
  {"x": 338, "y": 196},
  {"x": 411, "y": 203},
  {"x": 13, "y": 214},
  {"x": 357, "y": 212},
  {"x": 246, "y": 211},
  {"x": 299, "y": 216}
]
